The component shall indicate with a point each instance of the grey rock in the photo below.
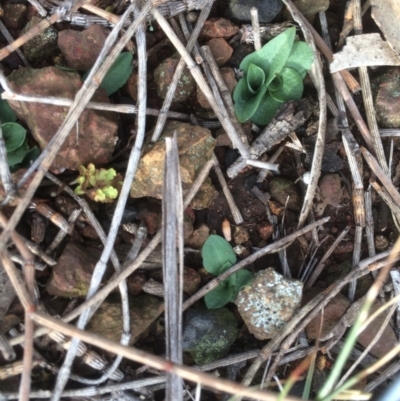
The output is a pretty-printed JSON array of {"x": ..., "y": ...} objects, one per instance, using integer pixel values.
[
  {"x": 208, "y": 334},
  {"x": 267, "y": 9},
  {"x": 40, "y": 46},
  {"x": 269, "y": 303}
]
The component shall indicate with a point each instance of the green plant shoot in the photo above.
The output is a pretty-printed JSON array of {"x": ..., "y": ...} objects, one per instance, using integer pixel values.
[
  {"x": 273, "y": 75},
  {"x": 100, "y": 185},
  {"x": 118, "y": 73},
  {"x": 19, "y": 154},
  {"x": 218, "y": 256}
]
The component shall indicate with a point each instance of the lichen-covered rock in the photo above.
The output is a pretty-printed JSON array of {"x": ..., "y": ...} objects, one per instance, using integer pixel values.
[
  {"x": 268, "y": 303},
  {"x": 209, "y": 333},
  {"x": 282, "y": 188},
  {"x": 195, "y": 146},
  {"x": 163, "y": 75},
  {"x": 81, "y": 49},
  {"x": 72, "y": 274},
  {"x": 387, "y": 105},
  {"x": 42, "y": 45},
  {"x": 143, "y": 310},
  {"x": 95, "y": 141}
]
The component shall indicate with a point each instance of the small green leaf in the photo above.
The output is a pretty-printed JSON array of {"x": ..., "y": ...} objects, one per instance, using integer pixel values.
[
  {"x": 292, "y": 87},
  {"x": 14, "y": 135},
  {"x": 16, "y": 156},
  {"x": 275, "y": 84},
  {"x": 300, "y": 58},
  {"x": 217, "y": 255},
  {"x": 218, "y": 297},
  {"x": 255, "y": 78},
  {"x": 242, "y": 278},
  {"x": 241, "y": 92},
  {"x": 272, "y": 56},
  {"x": 266, "y": 110},
  {"x": 101, "y": 185},
  {"x": 110, "y": 193},
  {"x": 106, "y": 175},
  {"x": 118, "y": 74},
  {"x": 7, "y": 114},
  {"x": 31, "y": 156},
  {"x": 246, "y": 110}
]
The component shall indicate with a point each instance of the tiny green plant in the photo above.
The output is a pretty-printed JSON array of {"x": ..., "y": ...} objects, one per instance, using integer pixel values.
[
  {"x": 218, "y": 256},
  {"x": 273, "y": 75},
  {"x": 118, "y": 73},
  {"x": 100, "y": 185},
  {"x": 19, "y": 154}
]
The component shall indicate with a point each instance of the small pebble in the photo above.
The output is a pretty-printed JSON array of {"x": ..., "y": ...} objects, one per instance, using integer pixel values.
[{"x": 381, "y": 243}]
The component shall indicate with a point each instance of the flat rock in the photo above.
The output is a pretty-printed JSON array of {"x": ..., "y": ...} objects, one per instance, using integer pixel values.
[
  {"x": 163, "y": 75},
  {"x": 81, "y": 49},
  {"x": 268, "y": 303},
  {"x": 332, "y": 314},
  {"x": 195, "y": 146},
  {"x": 97, "y": 135},
  {"x": 267, "y": 9},
  {"x": 42, "y": 45},
  {"x": 218, "y": 28},
  {"x": 143, "y": 310},
  {"x": 72, "y": 274}
]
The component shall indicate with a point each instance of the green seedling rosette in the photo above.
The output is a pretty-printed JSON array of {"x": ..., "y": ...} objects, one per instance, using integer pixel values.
[{"x": 273, "y": 75}]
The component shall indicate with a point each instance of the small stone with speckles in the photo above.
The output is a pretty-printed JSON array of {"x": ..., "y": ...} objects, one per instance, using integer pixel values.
[{"x": 269, "y": 303}]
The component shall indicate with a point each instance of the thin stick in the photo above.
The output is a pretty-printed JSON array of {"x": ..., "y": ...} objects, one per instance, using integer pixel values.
[
  {"x": 289, "y": 117},
  {"x": 194, "y": 69},
  {"x": 10, "y": 39},
  {"x": 153, "y": 361},
  {"x": 369, "y": 222},
  {"x": 118, "y": 108},
  {"x": 173, "y": 265},
  {"x": 255, "y": 24},
  {"x": 383, "y": 193},
  {"x": 131, "y": 170},
  {"x": 367, "y": 95},
  {"x": 318, "y": 269},
  {"x": 177, "y": 74},
  {"x": 224, "y": 91},
  {"x": 386, "y": 182},
  {"x": 6, "y": 180},
  {"x": 319, "y": 82},
  {"x": 349, "y": 25},
  {"x": 237, "y": 216}
]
